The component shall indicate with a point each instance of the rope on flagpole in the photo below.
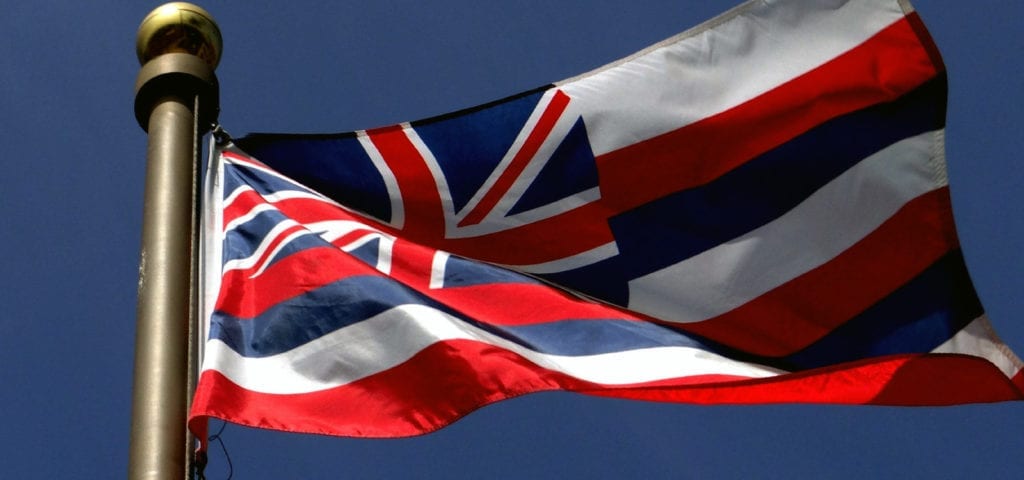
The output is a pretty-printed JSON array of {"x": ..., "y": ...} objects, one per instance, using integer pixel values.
[{"x": 201, "y": 460}]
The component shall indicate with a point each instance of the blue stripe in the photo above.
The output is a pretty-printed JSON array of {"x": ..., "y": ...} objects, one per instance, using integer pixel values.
[
  {"x": 309, "y": 316},
  {"x": 460, "y": 272},
  {"x": 306, "y": 317},
  {"x": 595, "y": 337},
  {"x": 916, "y": 318},
  {"x": 681, "y": 225},
  {"x": 336, "y": 166}
]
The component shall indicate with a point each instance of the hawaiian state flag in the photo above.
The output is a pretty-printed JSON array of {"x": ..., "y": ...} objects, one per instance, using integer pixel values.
[{"x": 753, "y": 211}]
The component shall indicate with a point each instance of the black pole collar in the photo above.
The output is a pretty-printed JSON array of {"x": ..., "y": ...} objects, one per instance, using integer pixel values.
[{"x": 182, "y": 76}]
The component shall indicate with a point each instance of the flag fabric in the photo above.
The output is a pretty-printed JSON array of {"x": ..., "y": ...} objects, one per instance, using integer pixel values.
[{"x": 753, "y": 211}]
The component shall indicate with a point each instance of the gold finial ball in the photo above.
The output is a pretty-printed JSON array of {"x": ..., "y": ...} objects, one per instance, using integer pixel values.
[{"x": 179, "y": 27}]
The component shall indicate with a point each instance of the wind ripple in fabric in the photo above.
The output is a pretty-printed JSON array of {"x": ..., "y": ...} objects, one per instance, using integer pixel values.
[
  {"x": 306, "y": 317},
  {"x": 244, "y": 241},
  {"x": 244, "y": 175},
  {"x": 309, "y": 316},
  {"x": 753, "y": 194}
]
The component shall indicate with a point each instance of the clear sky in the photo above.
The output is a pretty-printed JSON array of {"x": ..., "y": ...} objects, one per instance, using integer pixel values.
[{"x": 71, "y": 188}]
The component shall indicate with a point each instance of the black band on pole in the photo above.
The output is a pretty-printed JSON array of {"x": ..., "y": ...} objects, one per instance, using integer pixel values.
[{"x": 179, "y": 75}]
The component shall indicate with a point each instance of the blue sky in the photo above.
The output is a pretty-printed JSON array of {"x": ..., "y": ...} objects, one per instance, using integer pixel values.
[{"x": 71, "y": 199}]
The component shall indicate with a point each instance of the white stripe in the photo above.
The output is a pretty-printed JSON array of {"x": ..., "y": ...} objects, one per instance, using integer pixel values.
[
  {"x": 979, "y": 339},
  {"x": 211, "y": 240},
  {"x": 719, "y": 65},
  {"x": 390, "y": 182},
  {"x": 384, "y": 253},
  {"x": 823, "y": 226},
  {"x": 437, "y": 269},
  {"x": 394, "y": 336}
]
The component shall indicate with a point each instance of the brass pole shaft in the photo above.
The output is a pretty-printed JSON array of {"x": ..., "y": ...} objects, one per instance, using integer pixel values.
[
  {"x": 161, "y": 354},
  {"x": 176, "y": 101}
]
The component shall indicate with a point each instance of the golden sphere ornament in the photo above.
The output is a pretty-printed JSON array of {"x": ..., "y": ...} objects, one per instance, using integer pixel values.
[{"x": 179, "y": 27}]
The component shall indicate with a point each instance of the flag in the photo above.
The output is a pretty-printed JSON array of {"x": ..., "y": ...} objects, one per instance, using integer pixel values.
[{"x": 753, "y": 211}]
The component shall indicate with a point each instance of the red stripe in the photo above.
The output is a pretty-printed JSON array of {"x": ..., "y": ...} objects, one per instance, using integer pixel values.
[
  {"x": 783, "y": 321},
  {"x": 926, "y": 40},
  {"x": 907, "y": 380},
  {"x": 498, "y": 303},
  {"x": 448, "y": 380},
  {"x": 411, "y": 264},
  {"x": 241, "y": 205},
  {"x": 424, "y": 216},
  {"x": 435, "y": 387},
  {"x": 883, "y": 68},
  {"x": 298, "y": 273},
  {"x": 947, "y": 379},
  {"x": 310, "y": 210},
  {"x": 522, "y": 158}
]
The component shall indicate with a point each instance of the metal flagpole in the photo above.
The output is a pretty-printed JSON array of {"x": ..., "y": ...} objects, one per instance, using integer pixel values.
[{"x": 176, "y": 101}]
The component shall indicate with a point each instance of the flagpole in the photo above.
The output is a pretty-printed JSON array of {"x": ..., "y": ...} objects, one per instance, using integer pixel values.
[{"x": 176, "y": 101}]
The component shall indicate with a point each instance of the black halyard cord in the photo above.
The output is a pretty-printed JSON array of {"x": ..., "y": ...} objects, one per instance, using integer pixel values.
[{"x": 201, "y": 458}]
